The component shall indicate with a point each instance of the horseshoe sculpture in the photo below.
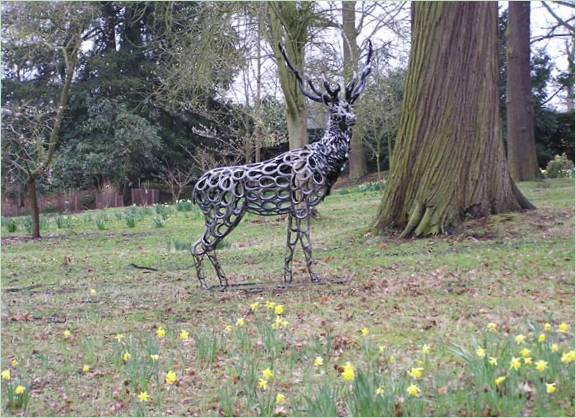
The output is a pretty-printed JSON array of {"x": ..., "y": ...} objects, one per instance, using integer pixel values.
[{"x": 292, "y": 183}]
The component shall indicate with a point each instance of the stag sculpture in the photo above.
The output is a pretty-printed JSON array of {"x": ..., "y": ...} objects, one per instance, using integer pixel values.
[{"x": 292, "y": 183}]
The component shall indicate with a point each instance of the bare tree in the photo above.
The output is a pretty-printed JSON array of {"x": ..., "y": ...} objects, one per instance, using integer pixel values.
[{"x": 33, "y": 131}]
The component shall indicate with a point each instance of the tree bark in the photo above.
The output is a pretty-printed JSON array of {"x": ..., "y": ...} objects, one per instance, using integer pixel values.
[
  {"x": 288, "y": 23},
  {"x": 520, "y": 110},
  {"x": 449, "y": 160},
  {"x": 351, "y": 54},
  {"x": 34, "y": 210}
]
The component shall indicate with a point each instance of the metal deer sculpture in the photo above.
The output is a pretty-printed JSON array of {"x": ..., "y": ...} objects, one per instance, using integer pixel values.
[{"x": 292, "y": 183}]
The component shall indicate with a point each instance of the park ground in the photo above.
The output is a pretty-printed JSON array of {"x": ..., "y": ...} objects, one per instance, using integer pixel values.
[{"x": 74, "y": 299}]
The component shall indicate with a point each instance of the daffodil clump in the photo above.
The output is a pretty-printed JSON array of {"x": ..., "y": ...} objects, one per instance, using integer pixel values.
[
  {"x": 15, "y": 393},
  {"x": 264, "y": 362},
  {"x": 523, "y": 369}
]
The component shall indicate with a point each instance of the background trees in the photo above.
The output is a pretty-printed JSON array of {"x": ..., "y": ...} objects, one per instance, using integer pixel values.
[
  {"x": 178, "y": 87},
  {"x": 53, "y": 33}
]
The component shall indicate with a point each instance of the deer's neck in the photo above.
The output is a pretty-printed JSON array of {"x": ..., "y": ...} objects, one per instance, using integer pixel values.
[
  {"x": 336, "y": 141},
  {"x": 335, "y": 147}
]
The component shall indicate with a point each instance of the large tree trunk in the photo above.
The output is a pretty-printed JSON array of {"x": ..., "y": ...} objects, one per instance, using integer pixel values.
[
  {"x": 34, "y": 210},
  {"x": 520, "y": 110},
  {"x": 449, "y": 159},
  {"x": 288, "y": 23},
  {"x": 351, "y": 54}
]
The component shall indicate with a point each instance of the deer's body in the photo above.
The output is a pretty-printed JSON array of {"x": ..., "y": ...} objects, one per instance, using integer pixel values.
[{"x": 292, "y": 183}]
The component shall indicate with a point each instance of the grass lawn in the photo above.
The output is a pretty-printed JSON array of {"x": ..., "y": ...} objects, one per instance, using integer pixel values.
[{"x": 513, "y": 270}]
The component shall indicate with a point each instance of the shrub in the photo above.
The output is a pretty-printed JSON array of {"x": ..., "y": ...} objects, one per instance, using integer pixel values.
[
  {"x": 159, "y": 221},
  {"x": 101, "y": 222},
  {"x": 11, "y": 224},
  {"x": 560, "y": 166},
  {"x": 130, "y": 220},
  {"x": 27, "y": 224},
  {"x": 184, "y": 205},
  {"x": 63, "y": 222}
]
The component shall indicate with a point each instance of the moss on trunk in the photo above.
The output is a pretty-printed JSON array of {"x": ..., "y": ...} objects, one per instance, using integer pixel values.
[{"x": 449, "y": 161}]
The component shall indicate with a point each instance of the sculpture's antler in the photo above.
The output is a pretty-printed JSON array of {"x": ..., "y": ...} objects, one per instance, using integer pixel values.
[
  {"x": 355, "y": 87},
  {"x": 332, "y": 95}
]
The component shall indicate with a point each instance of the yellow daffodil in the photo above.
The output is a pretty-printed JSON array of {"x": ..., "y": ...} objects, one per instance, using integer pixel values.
[
  {"x": 280, "y": 399},
  {"x": 93, "y": 292},
  {"x": 515, "y": 363},
  {"x": 527, "y": 360},
  {"x": 547, "y": 327},
  {"x": 379, "y": 391},
  {"x": 19, "y": 390},
  {"x": 170, "y": 378},
  {"x": 426, "y": 349},
  {"x": 520, "y": 339},
  {"x": 392, "y": 359},
  {"x": 415, "y": 372},
  {"x": 365, "y": 332},
  {"x": 525, "y": 352},
  {"x": 67, "y": 334},
  {"x": 267, "y": 374},
  {"x": 119, "y": 337},
  {"x": 563, "y": 327},
  {"x": 568, "y": 357},
  {"x": 160, "y": 332},
  {"x": 270, "y": 305},
  {"x": 550, "y": 387},
  {"x": 254, "y": 306},
  {"x": 14, "y": 363},
  {"x": 143, "y": 396},
  {"x": 481, "y": 352},
  {"x": 499, "y": 380},
  {"x": 541, "y": 365},
  {"x": 240, "y": 322},
  {"x": 554, "y": 348},
  {"x": 492, "y": 327},
  {"x": 279, "y": 323},
  {"x": 381, "y": 348},
  {"x": 318, "y": 361},
  {"x": 493, "y": 361},
  {"x": 154, "y": 357},
  {"x": 126, "y": 356},
  {"x": 86, "y": 368},
  {"x": 184, "y": 335},
  {"x": 541, "y": 338},
  {"x": 348, "y": 374},
  {"x": 262, "y": 384},
  {"x": 6, "y": 375},
  {"x": 413, "y": 390},
  {"x": 279, "y": 309},
  {"x": 228, "y": 329}
]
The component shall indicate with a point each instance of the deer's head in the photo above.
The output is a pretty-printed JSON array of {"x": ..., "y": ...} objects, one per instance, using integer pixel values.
[{"x": 341, "y": 111}]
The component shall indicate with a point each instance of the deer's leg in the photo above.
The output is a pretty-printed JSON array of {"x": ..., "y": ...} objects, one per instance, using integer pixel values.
[
  {"x": 198, "y": 251},
  {"x": 227, "y": 219},
  {"x": 303, "y": 227},
  {"x": 292, "y": 237}
]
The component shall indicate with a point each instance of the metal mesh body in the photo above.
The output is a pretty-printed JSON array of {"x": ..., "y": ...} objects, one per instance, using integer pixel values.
[{"x": 292, "y": 183}]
